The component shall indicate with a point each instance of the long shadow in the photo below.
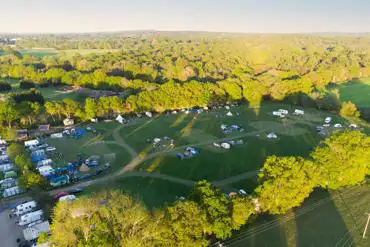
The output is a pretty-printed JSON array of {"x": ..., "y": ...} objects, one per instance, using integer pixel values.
[
  {"x": 266, "y": 231},
  {"x": 319, "y": 223}
]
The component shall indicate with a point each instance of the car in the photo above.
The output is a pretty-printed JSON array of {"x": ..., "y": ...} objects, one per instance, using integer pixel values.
[
  {"x": 49, "y": 149},
  {"x": 76, "y": 190},
  {"x": 43, "y": 146},
  {"x": 60, "y": 194}
]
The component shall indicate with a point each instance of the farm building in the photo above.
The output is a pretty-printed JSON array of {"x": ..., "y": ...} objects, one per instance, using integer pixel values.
[{"x": 33, "y": 232}]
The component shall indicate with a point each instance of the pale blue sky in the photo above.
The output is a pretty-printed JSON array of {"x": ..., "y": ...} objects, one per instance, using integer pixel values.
[{"x": 251, "y": 16}]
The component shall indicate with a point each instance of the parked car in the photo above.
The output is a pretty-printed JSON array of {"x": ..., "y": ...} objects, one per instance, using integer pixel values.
[
  {"x": 76, "y": 190},
  {"x": 49, "y": 149},
  {"x": 60, "y": 194}
]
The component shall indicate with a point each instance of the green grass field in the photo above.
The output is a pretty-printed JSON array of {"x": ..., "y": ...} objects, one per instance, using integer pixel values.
[
  {"x": 358, "y": 92},
  {"x": 296, "y": 136},
  {"x": 325, "y": 219},
  {"x": 68, "y": 53}
]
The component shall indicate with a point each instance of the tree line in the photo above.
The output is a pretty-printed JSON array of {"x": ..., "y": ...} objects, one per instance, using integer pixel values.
[{"x": 112, "y": 218}]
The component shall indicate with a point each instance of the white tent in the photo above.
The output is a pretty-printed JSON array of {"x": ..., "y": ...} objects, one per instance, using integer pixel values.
[
  {"x": 337, "y": 125},
  {"x": 229, "y": 114},
  {"x": 283, "y": 111},
  {"x": 68, "y": 122},
  {"x": 120, "y": 119},
  {"x": 328, "y": 120},
  {"x": 298, "y": 112},
  {"x": 272, "y": 135},
  {"x": 148, "y": 114},
  {"x": 56, "y": 135},
  {"x": 225, "y": 145}
]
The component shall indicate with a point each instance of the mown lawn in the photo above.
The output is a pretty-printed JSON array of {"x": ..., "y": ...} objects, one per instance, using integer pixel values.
[
  {"x": 153, "y": 192},
  {"x": 358, "y": 92},
  {"x": 325, "y": 219},
  {"x": 296, "y": 136}
]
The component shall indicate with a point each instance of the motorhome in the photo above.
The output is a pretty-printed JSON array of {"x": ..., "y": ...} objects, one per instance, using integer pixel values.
[
  {"x": 24, "y": 208},
  {"x": 30, "y": 217}
]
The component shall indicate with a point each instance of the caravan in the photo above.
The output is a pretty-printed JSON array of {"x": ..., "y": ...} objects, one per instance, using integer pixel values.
[
  {"x": 24, "y": 208},
  {"x": 31, "y": 217}
]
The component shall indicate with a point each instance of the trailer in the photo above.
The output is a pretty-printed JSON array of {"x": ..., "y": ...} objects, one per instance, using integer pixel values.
[
  {"x": 31, "y": 217},
  {"x": 24, "y": 208},
  {"x": 31, "y": 143}
]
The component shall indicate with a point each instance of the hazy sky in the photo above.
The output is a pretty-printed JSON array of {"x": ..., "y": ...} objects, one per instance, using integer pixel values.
[{"x": 206, "y": 15}]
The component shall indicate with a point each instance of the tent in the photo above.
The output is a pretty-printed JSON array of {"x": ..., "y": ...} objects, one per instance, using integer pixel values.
[
  {"x": 229, "y": 114},
  {"x": 298, "y": 112},
  {"x": 225, "y": 145},
  {"x": 68, "y": 122},
  {"x": 148, "y": 114},
  {"x": 84, "y": 168},
  {"x": 328, "y": 120},
  {"x": 120, "y": 119},
  {"x": 56, "y": 135},
  {"x": 272, "y": 135}
]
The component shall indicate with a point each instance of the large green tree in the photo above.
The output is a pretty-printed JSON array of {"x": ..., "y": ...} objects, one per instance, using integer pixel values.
[
  {"x": 285, "y": 182},
  {"x": 217, "y": 208},
  {"x": 343, "y": 158}
]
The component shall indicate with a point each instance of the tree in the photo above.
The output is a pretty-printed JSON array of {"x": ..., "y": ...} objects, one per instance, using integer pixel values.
[
  {"x": 348, "y": 109},
  {"x": 30, "y": 179},
  {"x": 242, "y": 209},
  {"x": 91, "y": 108},
  {"x": 285, "y": 183},
  {"x": 8, "y": 113},
  {"x": 23, "y": 162},
  {"x": 54, "y": 108},
  {"x": 15, "y": 149},
  {"x": 216, "y": 206},
  {"x": 5, "y": 87},
  {"x": 70, "y": 107},
  {"x": 343, "y": 159},
  {"x": 29, "y": 111},
  {"x": 188, "y": 224},
  {"x": 109, "y": 219}
]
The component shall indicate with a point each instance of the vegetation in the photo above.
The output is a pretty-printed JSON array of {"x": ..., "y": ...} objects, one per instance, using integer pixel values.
[
  {"x": 5, "y": 87},
  {"x": 348, "y": 109},
  {"x": 285, "y": 182}
]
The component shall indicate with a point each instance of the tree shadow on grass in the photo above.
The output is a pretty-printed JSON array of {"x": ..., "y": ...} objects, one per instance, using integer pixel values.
[{"x": 319, "y": 223}]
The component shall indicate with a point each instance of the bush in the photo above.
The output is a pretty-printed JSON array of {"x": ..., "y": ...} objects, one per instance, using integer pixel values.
[
  {"x": 27, "y": 85},
  {"x": 348, "y": 109},
  {"x": 4, "y": 87}
]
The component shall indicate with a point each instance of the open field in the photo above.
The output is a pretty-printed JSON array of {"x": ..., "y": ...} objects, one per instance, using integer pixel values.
[
  {"x": 49, "y": 93},
  {"x": 358, "y": 92},
  {"x": 296, "y": 136},
  {"x": 325, "y": 219},
  {"x": 68, "y": 53}
]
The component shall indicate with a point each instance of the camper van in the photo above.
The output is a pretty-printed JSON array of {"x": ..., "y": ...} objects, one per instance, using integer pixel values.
[
  {"x": 30, "y": 217},
  {"x": 24, "y": 208}
]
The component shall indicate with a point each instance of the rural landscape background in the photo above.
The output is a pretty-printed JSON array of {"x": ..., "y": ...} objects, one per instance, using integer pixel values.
[{"x": 185, "y": 138}]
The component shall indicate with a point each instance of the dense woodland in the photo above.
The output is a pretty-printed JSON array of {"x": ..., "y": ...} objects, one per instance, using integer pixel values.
[{"x": 164, "y": 71}]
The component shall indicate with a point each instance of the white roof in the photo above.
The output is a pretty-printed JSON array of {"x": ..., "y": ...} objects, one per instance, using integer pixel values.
[
  {"x": 225, "y": 145},
  {"x": 33, "y": 232},
  {"x": 31, "y": 143}
]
